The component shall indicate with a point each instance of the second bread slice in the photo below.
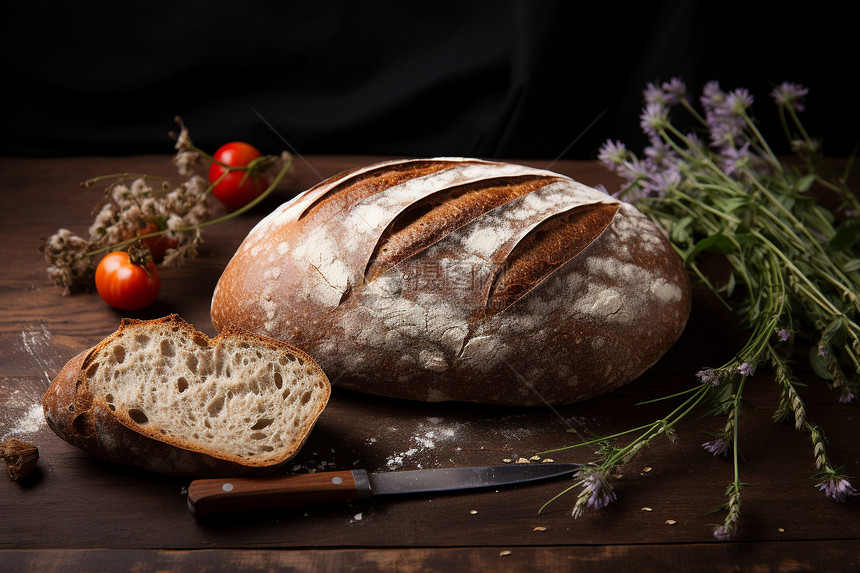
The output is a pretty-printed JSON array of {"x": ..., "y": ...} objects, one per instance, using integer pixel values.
[{"x": 163, "y": 396}]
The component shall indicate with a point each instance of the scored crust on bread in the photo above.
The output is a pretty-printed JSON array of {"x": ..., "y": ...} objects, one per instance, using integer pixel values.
[
  {"x": 161, "y": 395},
  {"x": 461, "y": 279}
]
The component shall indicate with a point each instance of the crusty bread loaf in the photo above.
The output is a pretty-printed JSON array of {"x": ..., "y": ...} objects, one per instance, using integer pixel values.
[
  {"x": 160, "y": 395},
  {"x": 460, "y": 279}
]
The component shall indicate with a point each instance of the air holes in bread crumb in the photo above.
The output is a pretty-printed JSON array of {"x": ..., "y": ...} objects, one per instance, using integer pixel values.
[
  {"x": 181, "y": 384},
  {"x": 141, "y": 340},
  {"x": 91, "y": 371},
  {"x": 306, "y": 397},
  {"x": 191, "y": 362},
  {"x": 279, "y": 380},
  {"x": 258, "y": 435},
  {"x": 167, "y": 349},
  {"x": 139, "y": 416},
  {"x": 200, "y": 341},
  {"x": 262, "y": 423},
  {"x": 215, "y": 406},
  {"x": 119, "y": 354}
]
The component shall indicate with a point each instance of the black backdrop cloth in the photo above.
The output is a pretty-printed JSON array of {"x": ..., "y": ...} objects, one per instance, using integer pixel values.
[{"x": 539, "y": 79}]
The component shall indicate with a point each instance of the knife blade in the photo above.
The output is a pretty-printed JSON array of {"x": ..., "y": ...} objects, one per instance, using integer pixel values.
[{"x": 208, "y": 496}]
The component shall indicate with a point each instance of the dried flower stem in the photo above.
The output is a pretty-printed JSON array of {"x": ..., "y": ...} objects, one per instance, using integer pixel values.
[
  {"x": 170, "y": 220},
  {"x": 122, "y": 245}
]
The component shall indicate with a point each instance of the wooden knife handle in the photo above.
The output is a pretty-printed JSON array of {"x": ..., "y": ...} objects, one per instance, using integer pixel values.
[{"x": 208, "y": 496}]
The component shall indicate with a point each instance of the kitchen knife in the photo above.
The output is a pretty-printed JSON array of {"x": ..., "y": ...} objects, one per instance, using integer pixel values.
[{"x": 208, "y": 496}]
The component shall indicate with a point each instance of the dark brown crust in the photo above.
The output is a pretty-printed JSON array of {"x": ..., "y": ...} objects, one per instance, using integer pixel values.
[
  {"x": 546, "y": 248},
  {"x": 86, "y": 420},
  {"x": 556, "y": 293},
  {"x": 366, "y": 184},
  {"x": 427, "y": 221}
]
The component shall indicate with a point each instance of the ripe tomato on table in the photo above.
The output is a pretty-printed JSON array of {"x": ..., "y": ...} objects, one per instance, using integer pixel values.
[
  {"x": 125, "y": 284},
  {"x": 239, "y": 187},
  {"x": 159, "y": 244}
]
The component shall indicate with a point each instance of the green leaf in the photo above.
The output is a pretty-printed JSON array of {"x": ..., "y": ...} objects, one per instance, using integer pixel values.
[
  {"x": 733, "y": 204},
  {"x": 804, "y": 183},
  {"x": 819, "y": 364},
  {"x": 680, "y": 231},
  {"x": 723, "y": 394},
  {"x": 730, "y": 285},
  {"x": 831, "y": 329},
  {"x": 851, "y": 266},
  {"x": 847, "y": 235},
  {"x": 717, "y": 243}
]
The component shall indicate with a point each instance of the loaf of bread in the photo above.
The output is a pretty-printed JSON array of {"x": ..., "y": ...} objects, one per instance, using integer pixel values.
[
  {"x": 162, "y": 396},
  {"x": 461, "y": 279}
]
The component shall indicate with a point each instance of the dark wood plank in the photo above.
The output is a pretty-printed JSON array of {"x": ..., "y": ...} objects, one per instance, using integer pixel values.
[
  {"x": 76, "y": 502},
  {"x": 834, "y": 556}
]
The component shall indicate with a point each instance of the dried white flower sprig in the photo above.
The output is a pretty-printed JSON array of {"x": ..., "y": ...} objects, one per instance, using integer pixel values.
[
  {"x": 795, "y": 264},
  {"x": 146, "y": 210}
]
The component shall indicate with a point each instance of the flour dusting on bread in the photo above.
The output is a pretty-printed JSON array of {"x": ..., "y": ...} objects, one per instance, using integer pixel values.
[{"x": 461, "y": 279}]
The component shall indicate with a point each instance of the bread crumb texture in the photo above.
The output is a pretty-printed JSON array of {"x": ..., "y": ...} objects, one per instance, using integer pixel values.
[{"x": 235, "y": 396}]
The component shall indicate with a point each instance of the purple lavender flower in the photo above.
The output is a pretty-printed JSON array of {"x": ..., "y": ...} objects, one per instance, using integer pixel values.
[
  {"x": 822, "y": 351},
  {"x": 661, "y": 153},
  {"x": 596, "y": 491},
  {"x": 724, "y": 114},
  {"x": 674, "y": 91},
  {"x": 746, "y": 369},
  {"x": 713, "y": 98},
  {"x": 837, "y": 487},
  {"x": 847, "y": 396},
  {"x": 709, "y": 376},
  {"x": 661, "y": 181},
  {"x": 739, "y": 100},
  {"x": 653, "y": 94},
  {"x": 601, "y": 493},
  {"x": 613, "y": 154},
  {"x": 736, "y": 158},
  {"x": 789, "y": 95},
  {"x": 783, "y": 335},
  {"x": 718, "y": 446},
  {"x": 722, "y": 533},
  {"x": 725, "y": 132},
  {"x": 654, "y": 117}
]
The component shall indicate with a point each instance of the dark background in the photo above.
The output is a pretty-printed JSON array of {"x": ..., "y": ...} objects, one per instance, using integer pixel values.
[{"x": 494, "y": 79}]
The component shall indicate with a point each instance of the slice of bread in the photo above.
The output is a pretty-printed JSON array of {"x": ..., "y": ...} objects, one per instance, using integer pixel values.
[{"x": 163, "y": 396}]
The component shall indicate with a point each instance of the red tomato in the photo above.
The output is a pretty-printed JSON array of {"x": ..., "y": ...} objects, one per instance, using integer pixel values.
[
  {"x": 238, "y": 188},
  {"x": 126, "y": 285},
  {"x": 158, "y": 244}
]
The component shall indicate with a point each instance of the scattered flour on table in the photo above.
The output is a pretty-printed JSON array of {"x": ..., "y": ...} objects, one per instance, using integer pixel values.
[
  {"x": 37, "y": 343},
  {"x": 424, "y": 439},
  {"x": 21, "y": 415}
]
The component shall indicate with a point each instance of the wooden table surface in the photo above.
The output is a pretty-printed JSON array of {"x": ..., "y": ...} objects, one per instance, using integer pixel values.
[{"x": 78, "y": 513}]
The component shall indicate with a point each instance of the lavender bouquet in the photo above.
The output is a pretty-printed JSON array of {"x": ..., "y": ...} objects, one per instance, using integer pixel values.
[{"x": 794, "y": 266}]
